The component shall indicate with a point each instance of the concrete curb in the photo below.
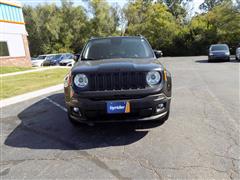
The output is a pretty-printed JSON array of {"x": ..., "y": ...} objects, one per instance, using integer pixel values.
[
  {"x": 30, "y": 95},
  {"x": 33, "y": 70}
]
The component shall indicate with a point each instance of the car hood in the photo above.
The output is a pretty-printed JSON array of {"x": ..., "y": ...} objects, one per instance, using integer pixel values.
[
  {"x": 117, "y": 65},
  {"x": 66, "y": 60}
]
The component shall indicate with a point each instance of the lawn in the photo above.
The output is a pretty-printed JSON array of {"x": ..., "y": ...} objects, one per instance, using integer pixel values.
[
  {"x": 19, "y": 84},
  {"x": 4, "y": 70}
]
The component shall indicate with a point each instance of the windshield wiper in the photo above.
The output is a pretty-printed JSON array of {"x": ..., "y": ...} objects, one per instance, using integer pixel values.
[{"x": 87, "y": 59}]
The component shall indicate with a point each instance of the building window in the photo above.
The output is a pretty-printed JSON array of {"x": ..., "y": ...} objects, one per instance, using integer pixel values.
[{"x": 4, "y": 48}]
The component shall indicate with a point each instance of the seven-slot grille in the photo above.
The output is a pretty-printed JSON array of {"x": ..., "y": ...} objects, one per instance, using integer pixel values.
[{"x": 117, "y": 81}]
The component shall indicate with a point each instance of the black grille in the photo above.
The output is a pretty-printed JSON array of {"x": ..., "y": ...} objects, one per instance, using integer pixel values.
[{"x": 117, "y": 81}]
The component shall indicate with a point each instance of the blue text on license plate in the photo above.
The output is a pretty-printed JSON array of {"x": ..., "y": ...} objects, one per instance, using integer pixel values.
[{"x": 115, "y": 107}]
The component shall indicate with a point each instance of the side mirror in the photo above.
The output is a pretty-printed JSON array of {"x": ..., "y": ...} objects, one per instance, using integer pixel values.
[
  {"x": 158, "y": 53},
  {"x": 75, "y": 58}
]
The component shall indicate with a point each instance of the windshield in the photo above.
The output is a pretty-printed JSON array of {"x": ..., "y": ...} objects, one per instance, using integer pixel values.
[
  {"x": 53, "y": 57},
  {"x": 118, "y": 47},
  {"x": 219, "y": 48},
  {"x": 40, "y": 57},
  {"x": 57, "y": 57}
]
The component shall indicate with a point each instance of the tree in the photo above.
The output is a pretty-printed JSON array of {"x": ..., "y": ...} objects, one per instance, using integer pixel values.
[
  {"x": 104, "y": 20},
  {"x": 208, "y": 5},
  {"x": 220, "y": 25},
  {"x": 55, "y": 29},
  {"x": 154, "y": 21}
]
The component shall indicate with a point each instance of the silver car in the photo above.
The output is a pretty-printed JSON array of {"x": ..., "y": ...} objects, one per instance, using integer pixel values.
[
  {"x": 219, "y": 52},
  {"x": 238, "y": 53},
  {"x": 40, "y": 59}
]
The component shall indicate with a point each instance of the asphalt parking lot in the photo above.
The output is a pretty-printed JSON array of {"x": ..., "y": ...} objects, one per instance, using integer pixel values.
[{"x": 200, "y": 139}]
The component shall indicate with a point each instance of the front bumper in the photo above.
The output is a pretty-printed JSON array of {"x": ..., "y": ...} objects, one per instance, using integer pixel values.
[
  {"x": 63, "y": 63},
  {"x": 141, "y": 109},
  {"x": 50, "y": 63},
  {"x": 222, "y": 57},
  {"x": 36, "y": 65}
]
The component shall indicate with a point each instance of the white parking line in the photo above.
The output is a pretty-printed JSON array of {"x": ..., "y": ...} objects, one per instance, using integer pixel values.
[{"x": 56, "y": 104}]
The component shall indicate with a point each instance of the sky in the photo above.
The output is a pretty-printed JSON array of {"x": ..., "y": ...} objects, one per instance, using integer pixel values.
[{"x": 193, "y": 6}]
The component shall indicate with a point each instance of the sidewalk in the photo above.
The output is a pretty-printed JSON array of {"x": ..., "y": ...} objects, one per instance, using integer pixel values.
[
  {"x": 33, "y": 70},
  {"x": 30, "y": 95}
]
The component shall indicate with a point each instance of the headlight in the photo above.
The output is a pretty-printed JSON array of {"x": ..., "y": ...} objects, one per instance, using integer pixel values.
[
  {"x": 81, "y": 80},
  {"x": 227, "y": 53},
  {"x": 153, "y": 78},
  {"x": 210, "y": 54}
]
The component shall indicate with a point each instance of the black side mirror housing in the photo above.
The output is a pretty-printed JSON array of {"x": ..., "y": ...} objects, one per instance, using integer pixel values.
[
  {"x": 158, "y": 53},
  {"x": 75, "y": 58}
]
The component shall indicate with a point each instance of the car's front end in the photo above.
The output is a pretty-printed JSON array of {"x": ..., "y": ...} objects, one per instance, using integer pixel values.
[
  {"x": 66, "y": 62},
  {"x": 37, "y": 63},
  {"x": 125, "y": 88},
  {"x": 118, "y": 90},
  {"x": 219, "y": 55},
  {"x": 219, "y": 52}
]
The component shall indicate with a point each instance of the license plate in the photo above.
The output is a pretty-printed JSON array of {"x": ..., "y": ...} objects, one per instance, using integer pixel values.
[{"x": 117, "y": 107}]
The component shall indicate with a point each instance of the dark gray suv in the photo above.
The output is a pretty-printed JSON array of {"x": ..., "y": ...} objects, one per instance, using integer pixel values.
[
  {"x": 219, "y": 52},
  {"x": 118, "y": 79}
]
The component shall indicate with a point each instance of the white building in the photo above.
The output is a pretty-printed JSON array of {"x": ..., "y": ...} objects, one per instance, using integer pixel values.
[{"x": 14, "y": 50}]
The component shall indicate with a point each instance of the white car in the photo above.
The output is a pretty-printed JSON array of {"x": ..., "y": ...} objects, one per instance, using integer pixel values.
[
  {"x": 40, "y": 59},
  {"x": 68, "y": 60},
  {"x": 238, "y": 53}
]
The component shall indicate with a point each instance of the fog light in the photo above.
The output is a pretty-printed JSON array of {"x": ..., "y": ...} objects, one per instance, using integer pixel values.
[
  {"x": 160, "y": 107},
  {"x": 75, "y": 109}
]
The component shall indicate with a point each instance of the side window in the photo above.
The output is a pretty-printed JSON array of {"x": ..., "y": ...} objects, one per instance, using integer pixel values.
[{"x": 4, "y": 48}]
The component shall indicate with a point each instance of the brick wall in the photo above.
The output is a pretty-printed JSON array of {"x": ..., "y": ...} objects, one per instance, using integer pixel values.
[{"x": 15, "y": 61}]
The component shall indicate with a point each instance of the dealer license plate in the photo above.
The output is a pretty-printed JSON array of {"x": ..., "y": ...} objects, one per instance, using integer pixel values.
[{"x": 117, "y": 107}]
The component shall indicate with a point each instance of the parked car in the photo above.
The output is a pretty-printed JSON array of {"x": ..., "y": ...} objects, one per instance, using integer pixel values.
[
  {"x": 68, "y": 60},
  {"x": 118, "y": 79},
  {"x": 238, "y": 53},
  {"x": 40, "y": 60},
  {"x": 55, "y": 60},
  {"x": 219, "y": 52}
]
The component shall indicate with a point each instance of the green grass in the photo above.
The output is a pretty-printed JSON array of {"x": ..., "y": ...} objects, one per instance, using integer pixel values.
[
  {"x": 24, "y": 83},
  {"x": 5, "y": 70}
]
